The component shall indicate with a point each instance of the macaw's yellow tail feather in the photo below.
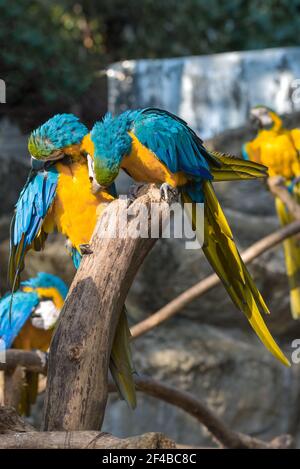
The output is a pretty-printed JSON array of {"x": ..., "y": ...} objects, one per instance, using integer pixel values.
[
  {"x": 221, "y": 251},
  {"x": 292, "y": 260},
  {"x": 233, "y": 168},
  {"x": 29, "y": 392},
  {"x": 121, "y": 365}
]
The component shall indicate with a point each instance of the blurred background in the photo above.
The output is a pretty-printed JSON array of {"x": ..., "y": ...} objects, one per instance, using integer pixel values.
[{"x": 208, "y": 62}]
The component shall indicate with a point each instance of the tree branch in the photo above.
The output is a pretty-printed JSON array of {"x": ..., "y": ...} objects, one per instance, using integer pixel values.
[
  {"x": 197, "y": 290},
  {"x": 76, "y": 392},
  {"x": 16, "y": 433},
  {"x": 278, "y": 189},
  {"x": 220, "y": 432}
]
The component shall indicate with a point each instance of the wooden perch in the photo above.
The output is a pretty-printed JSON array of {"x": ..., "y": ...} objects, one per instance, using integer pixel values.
[
  {"x": 224, "y": 436},
  {"x": 34, "y": 360},
  {"x": 15, "y": 433},
  {"x": 278, "y": 189},
  {"x": 197, "y": 290},
  {"x": 76, "y": 391}
]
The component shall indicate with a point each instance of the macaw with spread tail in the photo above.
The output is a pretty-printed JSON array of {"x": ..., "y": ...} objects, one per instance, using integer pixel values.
[
  {"x": 35, "y": 310},
  {"x": 278, "y": 148},
  {"x": 153, "y": 145},
  {"x": 58, "y": 195}
]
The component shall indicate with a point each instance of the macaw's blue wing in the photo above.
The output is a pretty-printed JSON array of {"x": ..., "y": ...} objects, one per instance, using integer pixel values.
[
  {"x": 174, "y": 143},
  {"x": 26, "y": 228},
  {"x": 23, "y": 305}
]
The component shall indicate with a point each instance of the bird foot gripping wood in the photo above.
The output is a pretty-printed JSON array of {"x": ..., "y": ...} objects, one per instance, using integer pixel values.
[
  {"x": 133, "y": 192},
  {"x": 85, "y": 249},
  {"x": 167, "y": 192}
]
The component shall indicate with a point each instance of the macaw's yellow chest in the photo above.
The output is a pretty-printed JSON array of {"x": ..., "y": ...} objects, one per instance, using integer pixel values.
[
  {"x": 75, "y": 209},
  {"x": 277, "y": 151},
  {"x": 143, "y": 166}
]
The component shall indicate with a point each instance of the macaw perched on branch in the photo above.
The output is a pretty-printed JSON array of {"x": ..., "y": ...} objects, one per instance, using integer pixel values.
[
  {"x": 278, "y": 148},
  {"x": 36, "y": 307},
  {"x": 58, "y": 194},
  {"x": 153, "y": 145}
]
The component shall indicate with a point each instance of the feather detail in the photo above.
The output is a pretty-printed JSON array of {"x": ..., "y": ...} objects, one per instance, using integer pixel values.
[{"x": 221, "y": 251}]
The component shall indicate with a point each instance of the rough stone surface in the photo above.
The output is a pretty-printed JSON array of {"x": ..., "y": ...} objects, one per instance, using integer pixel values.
[{"x": 233, "y": 375}]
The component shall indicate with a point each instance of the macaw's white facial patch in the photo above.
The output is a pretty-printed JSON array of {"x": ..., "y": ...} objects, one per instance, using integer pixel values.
[{"x": 45, "y": 315}]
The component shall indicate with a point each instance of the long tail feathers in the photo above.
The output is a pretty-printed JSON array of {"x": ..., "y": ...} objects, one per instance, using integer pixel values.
[
  {"x": 233, "y": 168},
  {"x": 291, "y": 248},
  {"x": 121, "y": 365},
  {"x": 222, "y": 253},
  {"x": 29, "y": 393}
]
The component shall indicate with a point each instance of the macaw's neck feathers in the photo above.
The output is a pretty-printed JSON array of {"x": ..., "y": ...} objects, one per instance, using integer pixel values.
[
  {"x": 59, "y": 132},
  {"x": 110, "y": 136},
  {"x": 45, "y": 280},
  {"x": 111, "y": 143}
]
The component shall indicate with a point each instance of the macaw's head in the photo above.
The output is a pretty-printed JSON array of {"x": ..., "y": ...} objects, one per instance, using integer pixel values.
[
  {"x": 107, "y": 145},
  {"x": 262, "y": 117},
  {"x": 59, "y": 136},
  {"x": 46, "y": 283},
  {"x": 52, "y": 292}
]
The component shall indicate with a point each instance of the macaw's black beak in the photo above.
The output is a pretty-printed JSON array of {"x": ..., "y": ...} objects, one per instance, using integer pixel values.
[
  {"x": 255, "y": 122},
  {"x": 37, "y": 165}
]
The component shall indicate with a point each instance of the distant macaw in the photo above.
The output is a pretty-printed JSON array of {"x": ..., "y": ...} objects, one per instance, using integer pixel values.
[
  {"x": 35, "y": 309},
  {"x": 153, "y": 145},
  {"x": 278, "y": 148},
  {"x": 58, "y": 194}
]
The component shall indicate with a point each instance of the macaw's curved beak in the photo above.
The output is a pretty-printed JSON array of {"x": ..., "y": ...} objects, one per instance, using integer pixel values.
[
  {"x": 95, "y": 186},
  {"x": 255, "y": 121},
  {"x": 37, "y": 165}
]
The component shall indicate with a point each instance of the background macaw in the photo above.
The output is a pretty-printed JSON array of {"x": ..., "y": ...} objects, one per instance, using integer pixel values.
[
  {"x": 153, "y": 145},
  {"x": 278, "y": 148},
  {"x": 58, "y": 194},
  {"x": 35, "y": 309}
]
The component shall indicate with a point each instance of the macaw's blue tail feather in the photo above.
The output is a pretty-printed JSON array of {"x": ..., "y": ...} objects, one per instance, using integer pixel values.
[
  {"x": 76, "y": 258},
  {"x": 121, "y": 365},
  {"x": 29, "y": 392},
  {"x": 222, "y": 253}
]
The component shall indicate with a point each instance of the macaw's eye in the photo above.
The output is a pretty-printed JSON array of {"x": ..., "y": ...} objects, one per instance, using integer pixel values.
[{"x": 36, "y": 315}]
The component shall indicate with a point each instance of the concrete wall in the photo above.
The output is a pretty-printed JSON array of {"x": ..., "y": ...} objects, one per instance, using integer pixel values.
[{"x": 212, "y": 93}]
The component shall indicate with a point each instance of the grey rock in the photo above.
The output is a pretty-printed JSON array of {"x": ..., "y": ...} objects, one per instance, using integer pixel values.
[{"x": 233, "y": 376}]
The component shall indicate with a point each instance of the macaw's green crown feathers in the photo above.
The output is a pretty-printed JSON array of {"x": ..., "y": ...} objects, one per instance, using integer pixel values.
[
  {"x": 44, "y": 280},
  {"x": 111, "y": 143},
  {"x": 263, "y": 107},
  {"x": 110, "y": 136},
  {"x": 59, "y": 132}
]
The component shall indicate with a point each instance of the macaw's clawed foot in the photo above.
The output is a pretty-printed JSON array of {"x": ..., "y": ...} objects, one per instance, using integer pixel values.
[
  {"x": 85, "y": 249},
  {"x": 167, "y": 192},
  {"x": 134, "y": 192}
]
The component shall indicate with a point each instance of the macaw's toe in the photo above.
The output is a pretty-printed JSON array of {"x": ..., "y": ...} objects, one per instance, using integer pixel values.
[
  {"x": 85, "y": 249},
  {"x": 133, "y": 191},
  {"x": 168, "y": 192}
]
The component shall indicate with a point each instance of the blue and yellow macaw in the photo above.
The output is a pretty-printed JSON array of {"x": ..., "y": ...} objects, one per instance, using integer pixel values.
[
  {"x": 278, "y": 148},
  {"x": 153, "y": 145},
  {"x": 58, "y": 195},
  {"x": 35, "y": 309}
]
